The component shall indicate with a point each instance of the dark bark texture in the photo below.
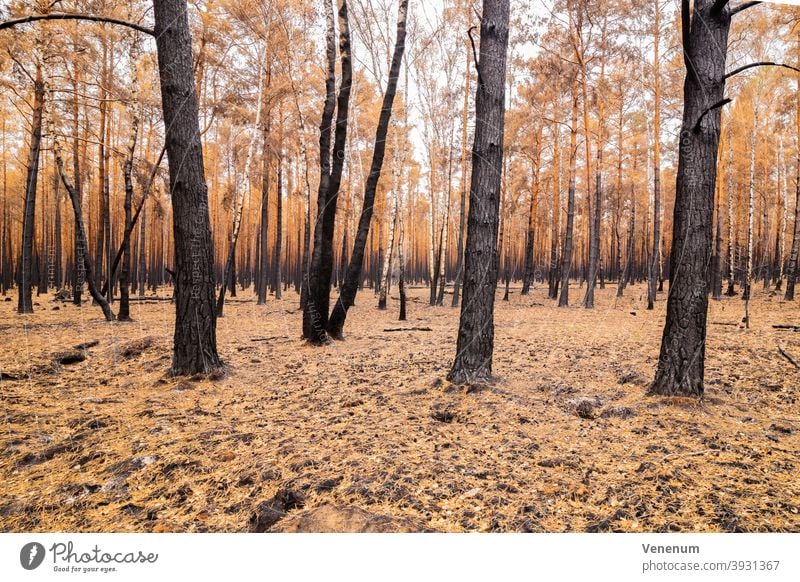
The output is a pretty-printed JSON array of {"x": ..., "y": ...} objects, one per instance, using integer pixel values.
[
  {"x": 473, "y": 361},
  {"x": 195, "y": 341},
  {"x": 352, "y": 278},
  {"x": 681, "y": 363}
]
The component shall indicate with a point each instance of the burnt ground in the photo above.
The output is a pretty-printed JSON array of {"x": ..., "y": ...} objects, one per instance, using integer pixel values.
[{"x": 97, "y": 438}]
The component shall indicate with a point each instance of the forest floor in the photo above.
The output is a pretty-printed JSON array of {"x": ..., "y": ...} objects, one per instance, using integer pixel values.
[{"x": 565, "y": 440}]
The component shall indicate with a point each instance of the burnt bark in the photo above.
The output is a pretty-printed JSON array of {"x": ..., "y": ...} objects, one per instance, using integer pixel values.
[
  {"x": 349, "y": 287},
  {"x": 195, "y": 341},
  {"x": 315, "y": 312},
  {"x": 566, "y": 256},
  {"x": 681, "y": 364},
  {"x": 475, "y": 346},
  {"x": 25, "y": 301}
]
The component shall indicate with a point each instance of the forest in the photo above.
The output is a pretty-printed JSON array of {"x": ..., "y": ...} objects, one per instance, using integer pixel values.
[{"x": 399, "y": 266}]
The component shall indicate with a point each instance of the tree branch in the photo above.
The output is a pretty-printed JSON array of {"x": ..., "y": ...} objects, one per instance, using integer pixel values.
[
  {"x": 475, "y": 54},
  {"x": 744, "y": 6},
  {"x": 716, "y": 9},
  {"x": 723, "y": 103},
  {"x": 72, "y": 16},
  {"x": 760, "y": 64},
  {"x": 686, "y": 27}
]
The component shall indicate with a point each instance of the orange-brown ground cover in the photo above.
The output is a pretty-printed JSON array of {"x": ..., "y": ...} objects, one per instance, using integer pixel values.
[{"x": 565, "y": 440}]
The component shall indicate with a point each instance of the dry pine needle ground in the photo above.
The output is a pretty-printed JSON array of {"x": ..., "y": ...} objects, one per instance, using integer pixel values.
[{"x": 565, "y": 440}]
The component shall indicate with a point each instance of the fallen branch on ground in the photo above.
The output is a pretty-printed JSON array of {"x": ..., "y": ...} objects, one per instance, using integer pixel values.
[
  {"x": 408, "y": 329},
  {"x": 788, "y": 356}
]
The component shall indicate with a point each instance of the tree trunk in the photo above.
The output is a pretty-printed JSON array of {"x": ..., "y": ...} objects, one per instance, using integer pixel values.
[
  {"x": 459, "y": 275},
  {"x": 781, "y": 251},
  {"x": 681, "y": 364},
  {"x": 276, "y": 274},
  {"x": 401, "y": 282},
  {"x": 127, "y": 172},
  {"x": 229, "y": 275},
  {"x": 566, "y": 256},
  {"x": 748, "y": 274},
  {"x": 655, "y": 265},
  {"x": 730, "y": 292},
  {"x": 386, "y": 276},
  {"x": 716, "y": 264},
  {"x": 349, "y": 288},
  {"x": 792, "y": 268},
  {"x": 142, "y": 271},
  {"x": 315, "y": 314},
  {"x": 25, "y": 301},
  {"x": 475, "y": 346},
  {"x": 195, "y": 342},
  {"x": 76, "y": 209},
  {"x": 555, "y": 226}
]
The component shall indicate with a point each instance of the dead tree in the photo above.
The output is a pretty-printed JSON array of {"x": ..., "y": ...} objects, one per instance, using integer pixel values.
[
  {"x": 25, "y": 301},
  {"x": 195, "y": 338},
  {"x": 705, "y": 29},
  {"x": 475, "y": 346},
  {"x": 349, "y": 287},
  {"x": 320, "y": 270}
]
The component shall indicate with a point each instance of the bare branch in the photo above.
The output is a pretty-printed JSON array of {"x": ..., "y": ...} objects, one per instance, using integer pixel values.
[
  {"x": 744, "y": 6},
  {"x": 72, "y": 16},
  {"x": 716, "y": 9},
  {"x": 760, "y": 64},
  {"x": 723, "y": 103}
]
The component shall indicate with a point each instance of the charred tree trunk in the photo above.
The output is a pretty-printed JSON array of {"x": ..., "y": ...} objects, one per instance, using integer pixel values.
[
  {"x": 25, "y": 301},
  {"x": 124, "y": 277},
  {"x": 462, "y": 219},
  {"x": 79, "y": 228},
  {"x": 276, "y": 274},
  {"x": 475, "y": 347},
  {"x": 794, "y": 255},
  {"x": 315, "y": 314},
  {"x": 195, "y": 341},
  {"x": 716, "y": 264},
  {"x": 264, "y": 226},
  {"x": 349, "y": 288},
  {"x": 681, "y": 364},
  {"x": 566, "y": 256},
  {"x": 142, "y": 271},
  {"x": 401, "y": 282}
]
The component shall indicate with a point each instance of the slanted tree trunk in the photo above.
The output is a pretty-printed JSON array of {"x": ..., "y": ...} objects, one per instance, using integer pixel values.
[
  {"x": 566, "y": 256},
  {"x": 76, "y": 209},
  {"x": 315, "y": 314},
  {"x": 475, "y": 346},
  {"x": 195, "y": 341},
  {"x": 681, "y": 364},
  {"x": 349, "y": 287},
  {"x": 25, "y": 300}
]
